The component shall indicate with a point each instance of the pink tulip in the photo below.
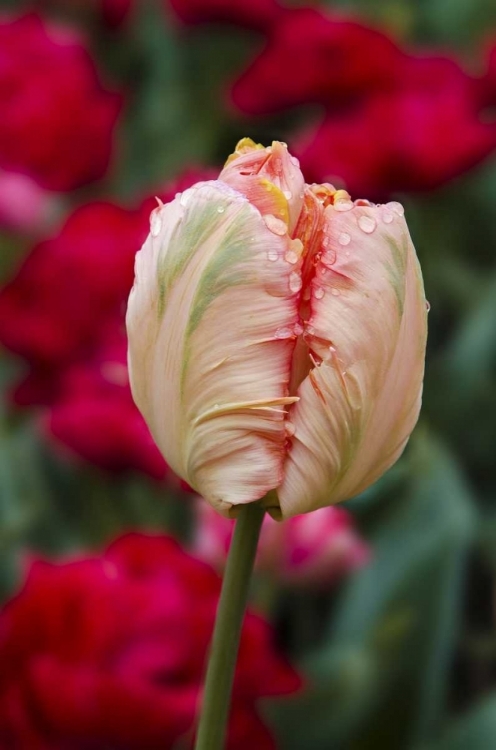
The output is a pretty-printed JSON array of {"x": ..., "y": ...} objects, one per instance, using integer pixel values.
[
  {"x": 277, "y": 336},
  {"x": 314, "y": 550}
]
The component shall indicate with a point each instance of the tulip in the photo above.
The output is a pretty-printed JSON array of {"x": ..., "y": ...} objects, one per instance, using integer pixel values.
[{"x": 277, "y": 336}]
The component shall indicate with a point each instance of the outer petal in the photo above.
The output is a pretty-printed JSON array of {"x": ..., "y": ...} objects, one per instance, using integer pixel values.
[
  {"x": 210, "y": 325},
  {"x": 367, "y": 334}
]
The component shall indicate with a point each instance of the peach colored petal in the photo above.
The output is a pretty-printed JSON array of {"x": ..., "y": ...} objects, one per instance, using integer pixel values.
[
  {"x": 366, "y": 335},
  {"x": 211, "y": 323},
  {"x": 270, "y": 178}
]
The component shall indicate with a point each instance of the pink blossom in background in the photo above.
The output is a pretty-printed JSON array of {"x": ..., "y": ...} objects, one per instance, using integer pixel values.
[
  {"x": 104, "y": 652},
  {"x": 315, "y": 549},
  {"x": 312, "y": 58},
  {"x": 63, "y": 313},
  {"x": 25, "y": 208},
  {"x": 260, "y": 15},
  {"x": 58, "y": 119}
]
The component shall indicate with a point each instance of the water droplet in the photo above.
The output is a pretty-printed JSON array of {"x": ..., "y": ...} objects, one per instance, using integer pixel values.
[
  {"x": 155, "y": 222},
  {"x": 287, "y": 194},
  {"x": 343, "y": 205},
  {"x": 318, "y": 292},
  {"x": 291, "y": 257},
  {"x": 367, "y": 224},
  {"x": 272, "y": 255},
  {"x": 427, "y": 305},
  {"x": 284, "y": 333},
  {"x": 221, "y": 209},
  {"x": 335, "y": 292},
  {"x": 332, "y": 349},
  {"x": 344, "y": 239},
  {"x": 183, "y": 200},
  {"x": 387, "y": 216},
  {"x": 396, "y": 207},
  {"x": 289, "y": 428},
  {"x": 295, "y": 282},
  {"x": 347, "y": 254},
  {"x": 298, "y": 329},
  {"x": 323, "y": 270},
  {"x": 276, "y": 226},
  {"x": 326, "y": 241}
]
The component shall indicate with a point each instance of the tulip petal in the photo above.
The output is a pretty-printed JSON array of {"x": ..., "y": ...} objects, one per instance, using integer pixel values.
[
  {"x": 210, "y": 323},
  {"x": 366, "y": 335}
]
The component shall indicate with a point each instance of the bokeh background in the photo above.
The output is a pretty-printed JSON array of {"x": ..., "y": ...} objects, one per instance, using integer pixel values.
[{"x": 372, "y": 625}]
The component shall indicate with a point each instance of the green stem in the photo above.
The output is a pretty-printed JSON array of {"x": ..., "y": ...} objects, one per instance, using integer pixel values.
[{"x": 227, "y": 630}]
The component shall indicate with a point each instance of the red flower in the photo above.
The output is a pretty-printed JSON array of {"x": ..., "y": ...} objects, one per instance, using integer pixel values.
[
  {"x": 110, "y": 652},
  {"x": 413, "y": 138},
  {"x": 94, "y": 415},
  {"x": 52, "y": 310},
  {"x": 257, "y": 14},
  {"x": 312, "y": 58},
  {"x": 57, "y": 119}
]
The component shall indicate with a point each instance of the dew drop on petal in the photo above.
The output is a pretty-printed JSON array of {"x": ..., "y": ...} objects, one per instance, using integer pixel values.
[
  {"x": 396, "y": 207},
  {"x": 155, "y": 222},
  {"x": 291, "y": 257},
  {"x": 367, "y": 224},
  {"x": 335, "y": 292},
  {"x": 183, "y": 200},
  {"x": 221, "y": 209},
  {"x": 298, "y": 329},
  {"x": 284, "y": 333},
  {"x": 295, "y": 282},
  {"x": 276, "y": 226},
  {"x": 287, "y": 194},
  {"x": 387, "y": 216},
  {"x": 343, "y": 205},
  {"x": 427, "y": 305},
  {"x": 344, "y": 239},
  {"x": 272, "y": 255},
  {"x": 318, "y": 292}
]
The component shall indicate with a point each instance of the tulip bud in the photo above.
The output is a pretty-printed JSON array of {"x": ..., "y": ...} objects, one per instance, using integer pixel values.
[{"x": 277, "y": 336}]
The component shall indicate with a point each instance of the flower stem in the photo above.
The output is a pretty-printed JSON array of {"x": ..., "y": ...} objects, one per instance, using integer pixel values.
[{"x": 227, "y": 630}]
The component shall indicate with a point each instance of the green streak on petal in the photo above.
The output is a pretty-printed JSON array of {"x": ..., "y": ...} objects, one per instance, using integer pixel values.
[
  {"x": 397, "y": 270},
  {"x": 224, "y": 270},
  {"x": 198, "y": 222}
]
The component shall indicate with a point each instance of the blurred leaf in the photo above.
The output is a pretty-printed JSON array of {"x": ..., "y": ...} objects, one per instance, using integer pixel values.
[
  {"x": 474, "y": 731},
  {"x": 379, "y": 681}
]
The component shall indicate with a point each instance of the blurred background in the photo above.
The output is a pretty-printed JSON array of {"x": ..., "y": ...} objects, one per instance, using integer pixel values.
[{"x": 373, "y": 625}]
